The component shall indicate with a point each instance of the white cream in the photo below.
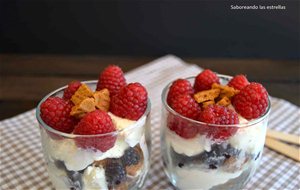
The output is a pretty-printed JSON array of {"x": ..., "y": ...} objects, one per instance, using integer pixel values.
[
  {"x": 116, "y": 151},
  {"x": 76, "y": 158},
  {"x": 194, "y": 179},
  {"x": 94, "y": 178},
  {"x": 250, "y": 139},
  {"x": 189, "y": 147},
  {"x": 132, "y": 130}
]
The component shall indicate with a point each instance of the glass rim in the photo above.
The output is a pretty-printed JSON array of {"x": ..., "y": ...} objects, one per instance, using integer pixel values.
[
  {"x": 70, "y": 135},
  {"x": 240, "y": 125}
]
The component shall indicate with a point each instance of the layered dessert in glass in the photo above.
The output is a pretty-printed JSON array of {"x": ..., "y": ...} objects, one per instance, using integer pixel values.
[
  {"x": 96, "y": 134},
  {"x": 213, "y": 130}
]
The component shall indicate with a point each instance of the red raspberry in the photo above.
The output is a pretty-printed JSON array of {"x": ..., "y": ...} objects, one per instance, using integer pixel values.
[
  {"x": 71, "y": 89},
  {"x": 182, "y": 127},
  {"x": 252, "y": 101},
  {"x": 130, "y": 102},
  {"x": 179, "y": 87},
  {"x": 186, "y": 106},
  {"x": 93, "y": 123},
  {"x": 220, "y": 115},
  {"x": 238, "y": 82},
  {"x": 111, "y": 78},
  {"x": 55, "y": 112},
  {"x": 205, "y": 79}
]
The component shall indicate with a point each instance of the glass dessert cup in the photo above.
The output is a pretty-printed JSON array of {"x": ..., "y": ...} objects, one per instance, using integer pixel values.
[
  {"x": 202, "y": 162},
  {"x": 123, "y": 166}
]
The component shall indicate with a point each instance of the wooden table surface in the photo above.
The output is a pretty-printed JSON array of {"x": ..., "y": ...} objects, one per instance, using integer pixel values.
[{"x": 25, "y": 79}]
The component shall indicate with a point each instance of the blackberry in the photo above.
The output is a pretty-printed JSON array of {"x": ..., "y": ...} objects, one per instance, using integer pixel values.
[
  {"x": 218, "y": 154},
  {"x": 130, "y": 157},
  {"x": 115, "y": 172}
]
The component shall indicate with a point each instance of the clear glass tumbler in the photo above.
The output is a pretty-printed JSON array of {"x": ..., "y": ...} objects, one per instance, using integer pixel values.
[
  {"x": 200, "y": 162},
  {"x": 124, "y": 166}
]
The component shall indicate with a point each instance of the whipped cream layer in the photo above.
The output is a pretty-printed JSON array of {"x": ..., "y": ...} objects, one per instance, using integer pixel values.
[
  {"x": 189, "y": 147},
  {"x": 76, "y": 158},
  {"x": 190, "y": 178}
]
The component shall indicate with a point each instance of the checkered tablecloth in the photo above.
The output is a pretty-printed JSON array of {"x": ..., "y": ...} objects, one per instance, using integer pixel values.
[{"x": 22, "y": 165}]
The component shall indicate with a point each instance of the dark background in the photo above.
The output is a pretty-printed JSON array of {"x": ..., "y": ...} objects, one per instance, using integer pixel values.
[
  {"x": 150, "y": 28},
  {"x": 45, "y": 44}
]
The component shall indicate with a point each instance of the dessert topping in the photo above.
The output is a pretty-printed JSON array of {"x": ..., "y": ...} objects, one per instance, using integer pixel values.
[
  {"x": 71, "y": 89},
  {"x": 207, "y": 95},
  {"x": 207, "y": 103},
  {"x": 85, "y": 106},
  {"x": 252, "y": 101},
  {"x": 55, "y": 112},
  {"x": 130, "y": 102},
  {"x": 238, "y": 82},
  {"x": 93, "y": 123},
  {"x": 85, "y": 103},
  {"x": 186, "y": 106},
  {"x": 225, "y": 90},
  {"x": 111, "y": 78},
  {"x": 102, "y": 99},
  {"x": 205, "y": 79},
  {"x": 179, "y": 87},
  {"x": 225, "y": 101},
  {"x": 81, "y": 93},
  {"x": 215, "y": 114}
]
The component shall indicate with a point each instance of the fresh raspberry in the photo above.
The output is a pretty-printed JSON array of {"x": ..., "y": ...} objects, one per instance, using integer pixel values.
[
  {"x": 179, "y": 87},
  {"x": 215, "y": 114},
  {"x": 182, "y": 127},
  {"x": 93, "y": 123},
  {"x": 186, "y": 106},
  {"x": 111, "y": 78},
  {"x": 130, "y": 102},
  {"x": 205, "y": 79},
  {"x": 252, "y": 101},
  {"x": 238, "y": 82},
  {"x": 71, "y": 89},
  {"x": 55, "y": 112}
]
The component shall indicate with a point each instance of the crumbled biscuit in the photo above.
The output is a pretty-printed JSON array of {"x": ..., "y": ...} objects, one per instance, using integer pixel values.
[
  {"x": 121, "y": 186},
  {"x": 102, "y": 99},
  {"x": 206, "y": 95},
  {"x": 102, "y": 163},
  {"x": 85, "y": 106},
  {"x": 225, "y": 101},
  {"x": 226, "y": 91},
  {"x": 82, "y": 93},
  {"x": 234, "y": 164},
  {"x": 207, "y": 103}
]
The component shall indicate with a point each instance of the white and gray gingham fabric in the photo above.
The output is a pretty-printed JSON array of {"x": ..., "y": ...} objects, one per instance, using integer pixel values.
[{"x": 21, "y": 160}]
